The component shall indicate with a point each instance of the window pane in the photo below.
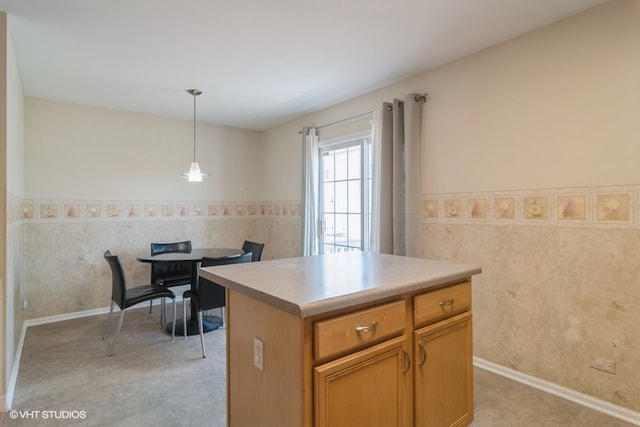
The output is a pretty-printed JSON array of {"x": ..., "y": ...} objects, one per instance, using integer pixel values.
[
  {"x": 355, "y": 154},
  {"x": 354, "y": 230},
  {"x": 329, "y": 197},
  {"x": 341, "y": 164},
  {"x": 341, "y": 197},
  {"x": 341, "y": 224},
  {"x": 329, "y": 228},
  {"x": 354, "y": 196},
  {"x": 328, "y": 165},
  {"x": 328, "y": 249}
]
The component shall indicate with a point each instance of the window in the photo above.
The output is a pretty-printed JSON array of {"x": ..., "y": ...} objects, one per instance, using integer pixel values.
[{"x": 344, "y": 194}]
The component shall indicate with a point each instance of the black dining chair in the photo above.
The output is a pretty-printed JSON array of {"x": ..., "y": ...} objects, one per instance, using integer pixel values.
[
  {"x": 170, "y": 273},
  {"x": 125, "y": 297},
  {"x": 255, "y": 248},
  {"x": 210, "y": 295}
]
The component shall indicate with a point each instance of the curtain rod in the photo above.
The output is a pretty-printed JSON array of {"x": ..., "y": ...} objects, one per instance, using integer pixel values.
[
  {"x": 348, "y": 119},
  {"x": 418, "y": 97}
]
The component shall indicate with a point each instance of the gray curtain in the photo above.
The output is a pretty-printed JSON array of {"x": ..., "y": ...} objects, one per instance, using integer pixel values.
[{"x": 400, "y": 176}]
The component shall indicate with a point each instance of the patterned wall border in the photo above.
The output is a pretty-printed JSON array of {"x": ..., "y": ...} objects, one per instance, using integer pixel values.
[
  {"x": 19, "y": 210},
  {"x": 606, "y": 207},
  {"x": 611, "y": 206}
]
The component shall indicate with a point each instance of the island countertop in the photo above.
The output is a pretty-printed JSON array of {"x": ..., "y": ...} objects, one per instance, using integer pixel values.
[{"x": 306, "y": 286}]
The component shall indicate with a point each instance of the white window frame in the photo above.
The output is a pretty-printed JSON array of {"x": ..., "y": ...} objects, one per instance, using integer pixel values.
[{"x": 364, "y": 139}]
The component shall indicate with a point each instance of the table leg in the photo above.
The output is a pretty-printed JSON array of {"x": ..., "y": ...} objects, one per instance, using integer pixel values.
[{"x": 209, "y": 323}]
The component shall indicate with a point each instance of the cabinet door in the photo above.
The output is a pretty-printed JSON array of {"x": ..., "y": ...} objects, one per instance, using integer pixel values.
[
  {"x": 444, "y": 373},
  {"x": 369, "y": 388}
]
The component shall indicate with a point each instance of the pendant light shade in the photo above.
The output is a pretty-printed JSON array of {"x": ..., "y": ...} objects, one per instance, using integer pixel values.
[{"x": 194, "y": 174}]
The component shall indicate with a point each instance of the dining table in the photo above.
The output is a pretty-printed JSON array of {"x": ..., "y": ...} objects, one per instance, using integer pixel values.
[{"x": 194, "y": 258}]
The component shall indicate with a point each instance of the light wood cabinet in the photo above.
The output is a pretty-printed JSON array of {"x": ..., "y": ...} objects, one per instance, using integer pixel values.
[
  {"x": 403, "y": 361},
  {"x": 378, "y": 386},
  {"x": 444, "y": 373},
  {"x": 432, "y": 306},
  {"x": 369, "y": 388},
  {"x": 361, "y": 328}
]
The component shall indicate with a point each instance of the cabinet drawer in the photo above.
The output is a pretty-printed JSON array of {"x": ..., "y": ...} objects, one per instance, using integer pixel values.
[
  {"x": 440, "y": 304},
  {"x": 344, "y": 333}
]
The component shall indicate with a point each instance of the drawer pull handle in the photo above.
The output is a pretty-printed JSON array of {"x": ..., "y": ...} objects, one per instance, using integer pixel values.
[
  {"x": 423, "y": 353},
  {"x": 407, "y": 361},
  {"x": 371, "y": 328},
  {"x": 446, "y": 302}
]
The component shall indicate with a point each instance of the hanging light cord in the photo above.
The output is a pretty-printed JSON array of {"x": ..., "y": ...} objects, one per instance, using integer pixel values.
[
  {"x": 195, "y": 93},
  {"x": 194, "y": 127}
]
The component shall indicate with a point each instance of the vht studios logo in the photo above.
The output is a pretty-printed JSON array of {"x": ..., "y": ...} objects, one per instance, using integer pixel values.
[{"x": 51, "y": 415}]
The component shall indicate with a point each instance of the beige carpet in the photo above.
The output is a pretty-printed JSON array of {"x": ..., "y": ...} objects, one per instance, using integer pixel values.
[{"x": 150, "y": 381}]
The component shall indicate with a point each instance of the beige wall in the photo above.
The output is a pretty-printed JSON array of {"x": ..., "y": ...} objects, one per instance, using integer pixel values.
[
  {"x": 77, "y": 278},
  {"x": 13, "y": 184},
  {"x": 4, "y": 294},
  {"x": 87, "y": 153},
  {"x": 548, "y": 117},
  {"x": 557, "y": 107}
]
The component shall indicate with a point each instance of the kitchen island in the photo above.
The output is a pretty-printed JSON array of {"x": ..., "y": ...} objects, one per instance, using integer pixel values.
[{"x": 348, "y": 339}]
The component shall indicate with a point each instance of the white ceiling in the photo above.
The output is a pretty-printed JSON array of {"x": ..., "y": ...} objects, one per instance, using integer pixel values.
[{"x": 259, "y": 62}]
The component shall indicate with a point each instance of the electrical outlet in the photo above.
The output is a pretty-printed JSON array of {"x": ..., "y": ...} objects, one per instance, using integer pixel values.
[
  {"x": 258, "y": 354},
  {"x": 603, "y": 364}
]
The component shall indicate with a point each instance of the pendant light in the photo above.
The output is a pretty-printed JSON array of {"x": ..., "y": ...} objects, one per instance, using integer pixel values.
[{"x": 194, "y": 174}]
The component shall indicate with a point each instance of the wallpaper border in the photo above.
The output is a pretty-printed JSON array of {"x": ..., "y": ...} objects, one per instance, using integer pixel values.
[
  {"x": 20, "y": 210},
  {"x": 606, "y": 207}
]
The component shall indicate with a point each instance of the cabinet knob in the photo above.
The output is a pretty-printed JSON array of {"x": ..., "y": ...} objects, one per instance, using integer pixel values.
[
  {"x": 370, "y": 328},
  {"x": 446, "y": 302}
]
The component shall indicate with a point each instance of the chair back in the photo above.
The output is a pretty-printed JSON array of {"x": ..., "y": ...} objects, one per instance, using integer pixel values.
[
  {"x": 164, "y": 269},
  {"x": 118, "y": 281},
  {"x": 167, "y": 248},
  {"x": 255, "y": 248},
  {"x": 210, "y": 294}
]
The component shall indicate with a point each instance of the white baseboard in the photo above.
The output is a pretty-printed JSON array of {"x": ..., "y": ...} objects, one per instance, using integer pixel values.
[
  {"x": 65, "y": 316},
  {"x": 85, "y": 313},
  {"x": 565, "y": 393},
  {"x": 7, "y": 400},
  {"x": 11, "y": 385}
]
